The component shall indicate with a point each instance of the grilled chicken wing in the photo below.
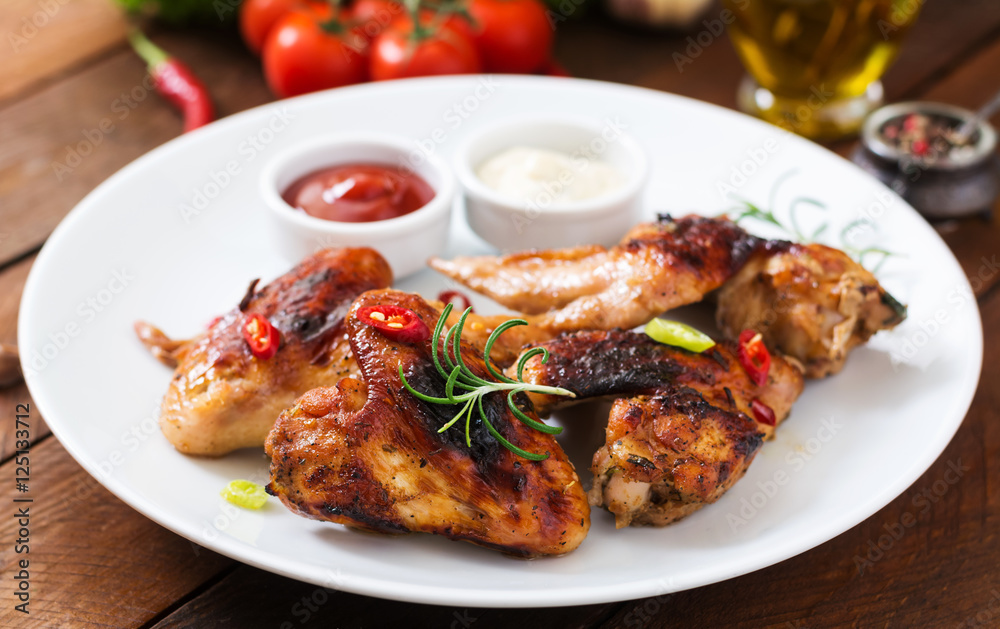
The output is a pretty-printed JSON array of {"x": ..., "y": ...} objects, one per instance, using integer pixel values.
[
  {"x": 668, "y": 455},
  {"x": 616, "y": 363},
  {"x": 656, "y": 267},
  {"x": 831, "y": 303},
  {"x": 808, "y": 301},
  {"x": 369, "y": 455},
  {"x": 680, "y": 434},
  {"x": 221, "y": 398}
]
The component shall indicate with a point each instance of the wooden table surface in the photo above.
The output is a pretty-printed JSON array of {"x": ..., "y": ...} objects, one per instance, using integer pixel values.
[{"x": 96, "y": 562}]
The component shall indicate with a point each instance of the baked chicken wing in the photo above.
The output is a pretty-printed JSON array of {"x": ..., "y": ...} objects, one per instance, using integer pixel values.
[
  {"x": 683, "y": 429},
  {"x": 656, "y": 267},
  {"x": 221, "y": 397},
  {"x": 369, "y": 454},
  {"x": 668, "y": 455},
  {"x": 808, "y": 301},
  {"x": 827, "y": 303}
]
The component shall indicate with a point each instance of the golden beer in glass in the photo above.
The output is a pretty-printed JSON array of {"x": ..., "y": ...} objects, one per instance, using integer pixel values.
[{"x": 814, "y": 65}]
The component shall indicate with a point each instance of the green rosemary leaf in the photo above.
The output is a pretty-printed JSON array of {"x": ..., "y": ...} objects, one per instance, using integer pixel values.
[
  {"x": 457, "y": 416},
  {"x": 539, "y": 426},
  {"x": 528, "y": 355},
  {"x": 418, "y": 394},
  {"x": 850, "y": 226},
  {"x": 458, "y": 375},
  {"x": 449, "y": 386},
  {"x": 792, "y": 214},
  {"x": 876, "y": 251},
  {"x": 531, "y": 456},
  {"x": 500, "y": 329},
  {"x": 437, "y": 335},
  {"x": 468, "y": 420},
  {"x": 467, "y": 375},
  {"x": 447, "y": 348},
  {"x": 773, "y": 197}
]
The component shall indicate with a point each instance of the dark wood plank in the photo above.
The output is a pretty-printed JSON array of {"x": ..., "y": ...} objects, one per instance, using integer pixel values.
[
  {"x": 11, "y": 285},
  {"x": 239, "y": 600},
  {"x": 45, "y": 39},
  {"x": 62, "y": 153},
  {"x": 975, "y": 241},
  {"x": 93, "y": 560},
  {"x": 928, "y": 559},
  {"x": 934, "y": 48}
]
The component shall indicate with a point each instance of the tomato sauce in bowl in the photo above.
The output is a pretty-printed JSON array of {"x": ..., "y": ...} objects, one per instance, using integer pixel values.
[
  {"x": 359, "y": 190},
  {"x": 358, "y": 193}
]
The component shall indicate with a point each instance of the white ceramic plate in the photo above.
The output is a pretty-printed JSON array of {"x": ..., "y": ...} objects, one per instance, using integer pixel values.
[{"x": 853, "y": 443}]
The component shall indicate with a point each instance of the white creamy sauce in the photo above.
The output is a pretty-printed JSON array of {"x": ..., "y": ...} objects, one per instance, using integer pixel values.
[{"x": 541, "y": 177}]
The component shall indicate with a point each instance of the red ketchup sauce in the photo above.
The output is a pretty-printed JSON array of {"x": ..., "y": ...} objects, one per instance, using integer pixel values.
[{"x": 359, "y": 193}]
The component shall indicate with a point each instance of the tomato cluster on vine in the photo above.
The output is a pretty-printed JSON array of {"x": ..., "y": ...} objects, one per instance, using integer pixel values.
[{"x": 310, "y": 45}]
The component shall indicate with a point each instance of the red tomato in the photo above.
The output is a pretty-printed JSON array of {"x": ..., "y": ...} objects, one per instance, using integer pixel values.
[
  {"x": 301, "y": 55},
  {"x": 512, "y": 35},
  {"x": 373, "y": 16},
  {"x": 258, "y": 17},
  {"x": 439, "y": 48}
]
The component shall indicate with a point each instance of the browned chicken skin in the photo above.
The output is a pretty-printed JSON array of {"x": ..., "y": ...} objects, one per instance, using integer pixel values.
[
  {"x": 369, "y": 455},
  {"x": 825, "y": 302},
  {"x": 656, "y": 267},
  {"x": 221, "y": 397},
  {"x": 508, "y": 347},
  {"x": 808, "y": 301},
  {"x": 682, "y": 431},
  {"x": 616, "y": 363},
  {"x": 668, "y": 455}
]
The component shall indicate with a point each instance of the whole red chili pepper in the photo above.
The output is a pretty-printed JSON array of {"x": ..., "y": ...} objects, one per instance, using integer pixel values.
[{"x": 175, "y": 82}]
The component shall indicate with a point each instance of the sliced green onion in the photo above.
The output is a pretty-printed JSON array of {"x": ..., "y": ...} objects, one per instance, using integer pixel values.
[
  {"x": 679, "y": 335},
  {"x": 243, "y": 493}
]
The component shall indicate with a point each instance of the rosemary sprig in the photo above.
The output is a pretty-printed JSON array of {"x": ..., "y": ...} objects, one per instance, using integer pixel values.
[
  {"x": 457, "y": 375},
  {"x": 746, "y": 210},
  {"x": 859, "y": 254}
]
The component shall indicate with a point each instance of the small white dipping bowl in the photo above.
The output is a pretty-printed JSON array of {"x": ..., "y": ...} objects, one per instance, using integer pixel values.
[
  {"x": 512, "y": 224},
  {"x": 406, "y": 241}
]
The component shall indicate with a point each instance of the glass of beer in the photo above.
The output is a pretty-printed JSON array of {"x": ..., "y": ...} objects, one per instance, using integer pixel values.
[{"x": 814, "y": 65}]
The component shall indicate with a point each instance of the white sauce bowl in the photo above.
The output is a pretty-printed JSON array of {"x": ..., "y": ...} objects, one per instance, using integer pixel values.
[
  {"x": 406, "y": 241},
  {"x": 513, "y": 224}
]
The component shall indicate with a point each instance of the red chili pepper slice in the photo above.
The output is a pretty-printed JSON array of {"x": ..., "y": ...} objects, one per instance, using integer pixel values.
[
  {"x": 754, "y": 357},
  {"x": 762, "y": 412},
  {"x": 261, "y": 335},
  {"x": 175, "y": 82},
  {"x": 460, "y": 301},
  {"x": 396, "y": 323}
]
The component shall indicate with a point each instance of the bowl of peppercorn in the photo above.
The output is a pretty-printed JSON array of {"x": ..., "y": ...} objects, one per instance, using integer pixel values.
[{"x": 941, "y": 159}]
